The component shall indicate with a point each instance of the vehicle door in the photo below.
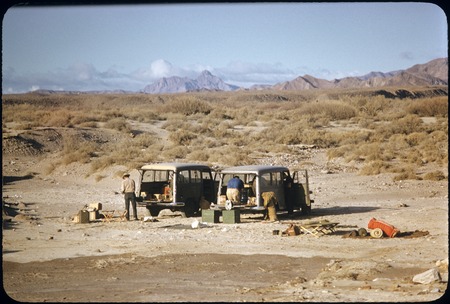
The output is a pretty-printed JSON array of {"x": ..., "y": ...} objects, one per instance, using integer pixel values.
[
  {"x": 208, "y": 185},
  {"x": 273, "y": 181}
]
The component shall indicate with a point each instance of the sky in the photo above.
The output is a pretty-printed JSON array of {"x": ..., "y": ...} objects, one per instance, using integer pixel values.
[{"x": 126, "y": 47}]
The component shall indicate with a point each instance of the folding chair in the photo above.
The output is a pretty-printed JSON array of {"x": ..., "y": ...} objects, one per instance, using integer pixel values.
[
  {"x": 319, "y": 228},
  {"x": 109, "y": 215}
]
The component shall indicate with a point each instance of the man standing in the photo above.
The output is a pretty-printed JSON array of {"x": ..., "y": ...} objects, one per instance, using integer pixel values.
[
  {"x": 234, "y": 189},
  {"x": 128, "y": 189}
]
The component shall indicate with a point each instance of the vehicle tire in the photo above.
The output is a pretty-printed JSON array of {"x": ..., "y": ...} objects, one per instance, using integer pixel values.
[
  {"x": 306, "y": 210},
  {"x": 153, "y": 211},
  {"x": 189, "y": 209}
]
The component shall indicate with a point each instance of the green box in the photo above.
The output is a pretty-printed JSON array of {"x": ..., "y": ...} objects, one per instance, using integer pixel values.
[
  {"x": 210, "y": 216},
  {"x": 231, "y": 216}
]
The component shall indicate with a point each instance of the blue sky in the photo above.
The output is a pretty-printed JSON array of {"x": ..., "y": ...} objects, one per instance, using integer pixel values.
[{"x": 130, "y": 46}]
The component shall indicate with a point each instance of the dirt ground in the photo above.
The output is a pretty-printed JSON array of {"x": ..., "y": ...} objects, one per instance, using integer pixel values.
[{"x": 48, "y": 257}]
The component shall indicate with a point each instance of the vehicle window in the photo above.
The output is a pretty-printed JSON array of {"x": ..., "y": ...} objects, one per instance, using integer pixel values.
[
  {"x": 195, "y": 176},
  {"x": 148, "y": 176},
  {"x": 206, "y": 175},
  {"x": 277, "y": 178},
  {"x": 265, "y": 179},
  {"x": 155, "y": 176},
  {"x": 161, "y": 176},
  {"x": 183, "y": 176},
  {"x": 226, "y": 178}
]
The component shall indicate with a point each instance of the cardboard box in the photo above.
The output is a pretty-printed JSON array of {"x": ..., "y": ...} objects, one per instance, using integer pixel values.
[
  {"x": 93, "y": 215},
  {"x": 83, "y": 216},
  {"x": 210, "y": 216},
  {"x": 95, "y": 206},
  {"x": 231, "y": 216}
]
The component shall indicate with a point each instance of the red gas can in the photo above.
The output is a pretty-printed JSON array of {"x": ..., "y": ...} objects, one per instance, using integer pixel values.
[{"x": 388, "y": 229}]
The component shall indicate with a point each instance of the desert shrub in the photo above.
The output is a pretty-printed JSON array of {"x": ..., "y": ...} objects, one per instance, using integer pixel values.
[
  {"x": 374, "y": 168},
  {"x": 429, "y": 107},
  {"x": 334, "y": 110},
  {"x": 406, "y": 125},
  {"x": 144, "y": 140},
  {"x": 103, "y": 162},
  {"x": 174, "y": 124},
  {"x": 405, "y": 172},
  {"x": 187, "y": 105},
  {"x": 198, "y": 155},
  {"x": 229, "y": 156},
  {"x": 416, "y": 138},
  {"x": 320, "y": 138},
  {"x": 119, "y": 124},
  {"x": 76, "y": 150},
  {"x": 59, "y": 118},
  {"x": 435, "y": 176},
  {"x": 182, "y": 137},
  {"x": 175, "y": 152},
  {"x": 88, "y": 124}
]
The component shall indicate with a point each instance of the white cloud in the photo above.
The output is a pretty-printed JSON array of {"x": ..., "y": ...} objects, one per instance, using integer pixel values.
[{"x": 161, "y": 68}]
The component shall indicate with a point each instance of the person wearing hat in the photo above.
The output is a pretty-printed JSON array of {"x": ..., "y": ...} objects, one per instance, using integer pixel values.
[{"x": 128, "y": 188}]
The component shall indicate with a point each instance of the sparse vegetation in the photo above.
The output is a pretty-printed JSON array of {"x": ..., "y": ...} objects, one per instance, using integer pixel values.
[{"x": 377, "y": 134}]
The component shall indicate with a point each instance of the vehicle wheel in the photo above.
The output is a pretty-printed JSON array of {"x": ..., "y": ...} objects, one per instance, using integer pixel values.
[
  {"x": 153, "y": 211},
  {"x": 189, "y": 209},
  {"x": 306, "y": 210}
]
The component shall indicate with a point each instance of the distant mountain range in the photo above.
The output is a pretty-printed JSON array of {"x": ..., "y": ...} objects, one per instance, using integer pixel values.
[
  {"x": 433, "y": 73},
  {"x": 205, "y": 82}
]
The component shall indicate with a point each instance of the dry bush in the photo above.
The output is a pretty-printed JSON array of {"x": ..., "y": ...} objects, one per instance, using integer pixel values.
[
  {"x": 144, "y": 140},
  {"x": 416, "y": 138},
  {"x": 76, "y": 150},
  {"x": 436, "y": 107},
  {"x": 405, "y": 172},
  {"x": 334, "y": 110},
  {"x": 375, "y": 167},
  {"x": 198, "y": 156},
  {"x": 119, "y": 124},
  {"x": 186, "y": 105},
  {"x": 182, "y": 137},
  {"x": 175, "y": 152},
  {"x": 435, "y": 176},
  {"x": 88, "y": 124},
  {"x": 406, "y": 125},
  {"x": 229, "y": 156}
]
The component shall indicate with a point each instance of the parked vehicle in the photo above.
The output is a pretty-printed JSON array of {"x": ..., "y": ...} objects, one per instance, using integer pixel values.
[
  {"x": 290, "y": 193},
  {"x": 175, "y": 186}
]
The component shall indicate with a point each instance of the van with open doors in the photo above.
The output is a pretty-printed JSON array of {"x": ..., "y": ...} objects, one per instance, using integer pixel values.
[
  {"x": 290, "y": 192},
  {"x": 175, "y": 186}
]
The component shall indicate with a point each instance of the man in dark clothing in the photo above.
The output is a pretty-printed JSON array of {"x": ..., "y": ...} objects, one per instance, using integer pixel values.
[
  {"x": 288, "y": 193},
  {"x": 128, "y": 188}
]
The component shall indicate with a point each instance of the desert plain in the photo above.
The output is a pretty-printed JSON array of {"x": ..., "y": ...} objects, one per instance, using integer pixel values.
[{"x": 48, "y": 257}]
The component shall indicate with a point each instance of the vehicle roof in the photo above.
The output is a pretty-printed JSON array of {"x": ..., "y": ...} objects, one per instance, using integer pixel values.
[
  {"x": 174, "y": 166},
  {"x": 254, "y": 169}
]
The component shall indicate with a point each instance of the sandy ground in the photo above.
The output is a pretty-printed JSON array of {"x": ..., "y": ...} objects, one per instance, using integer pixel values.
[{"x": 47, "y": 257}]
